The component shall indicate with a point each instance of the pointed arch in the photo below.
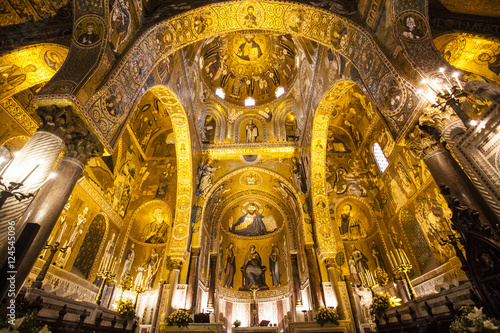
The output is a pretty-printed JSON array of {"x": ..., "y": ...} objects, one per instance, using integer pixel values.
[
  {"x": 280, "y": 115},
  {"x": 175, "y": 110},
  {"x": 217, "y": 114},
  {"x": 392, "y": 94},
  {"x": 327, "y": 235}
]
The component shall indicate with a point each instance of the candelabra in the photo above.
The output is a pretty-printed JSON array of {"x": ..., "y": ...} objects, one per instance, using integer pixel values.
[
  {"x": 138, "y": 290},
  {"x": 401, "y": 265},
  {"x": 444, "y": 93},
  {"x": 11, "y": 190},
  {"x": 53, "y": 250},
  {"x": 105, "y": 276},
  {"x": 370, "y": 281}
]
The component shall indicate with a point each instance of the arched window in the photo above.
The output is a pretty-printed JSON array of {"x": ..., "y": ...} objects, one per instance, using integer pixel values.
[{"x": 380, "y": 158}]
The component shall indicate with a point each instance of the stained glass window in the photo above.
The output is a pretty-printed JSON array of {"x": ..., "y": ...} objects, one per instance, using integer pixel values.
[{"x": 380, "y": 158}]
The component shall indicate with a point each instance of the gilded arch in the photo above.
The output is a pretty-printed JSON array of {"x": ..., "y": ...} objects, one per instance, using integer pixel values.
[
  {"x": 328, "y": 236},
  {"x": 392, "y": 95}
]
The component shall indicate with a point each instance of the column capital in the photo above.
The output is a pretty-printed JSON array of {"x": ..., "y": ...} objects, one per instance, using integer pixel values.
[
  {"x": 176, "y": 263},
  {"x": 426, "y": 139},
  {"x": 81, "y": 144},
  {"x": 56, "y": 120},
  {"x": 195, "y": 251},
  {"x": 330, "y": 262}
]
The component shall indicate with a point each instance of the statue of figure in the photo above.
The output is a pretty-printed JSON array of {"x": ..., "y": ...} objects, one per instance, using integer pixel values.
[
  {"x": 205, "y": 172},
  {"x": 75, "y": 234},
  {"x": 274, "y": 265},
  {"x": 108, "y": 254},
  {"x": 230, "y": 267},
  {"x": 299, "y": 175},
  {"x": 377, "y": 256},
  {"x": 252, "y": 223},
  {"x": 155, "y": 232},
  {"x": 361, "y": 263},
  {"x": 350, "y": 226},
  {"x": 139, "y": 278},
  {"x": 354, "y": 271},
  {"x": 151, "y": 264},
  {"x": 129, "y": 260},
  {"x": 253, "y": 271},
  {"x": 252, "y": 132}
]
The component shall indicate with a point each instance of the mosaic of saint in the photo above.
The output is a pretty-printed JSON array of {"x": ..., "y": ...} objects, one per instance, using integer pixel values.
[{"x": 249, "y": 65}]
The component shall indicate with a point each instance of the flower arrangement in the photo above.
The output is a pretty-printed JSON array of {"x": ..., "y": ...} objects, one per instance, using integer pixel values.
[
  {"x": 126, "y": 308},
  {"x": 26, "y": 324},
  {"x": 237, "y": 323},
  {"x": 472, "y": 319},
  {"x": 326, "y": 315},
  {"x": 381, "y": 277},
  {"x": 382, "y": 302},
  {"x": 179, "y": 318}
]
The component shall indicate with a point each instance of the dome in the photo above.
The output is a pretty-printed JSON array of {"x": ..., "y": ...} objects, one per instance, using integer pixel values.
[{"x": 249, "y": 70}]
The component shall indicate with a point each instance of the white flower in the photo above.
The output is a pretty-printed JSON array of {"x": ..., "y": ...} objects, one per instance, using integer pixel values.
[
  {"x": 475, "y": 314},
  {"x": 489, "y": 325}
]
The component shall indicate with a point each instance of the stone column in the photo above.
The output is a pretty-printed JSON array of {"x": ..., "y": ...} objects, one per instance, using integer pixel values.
[
  {"x": 174, "y": 280},
  {"x": 426, "y": 140},
  {"x": 211, "y": 288},
  {"x": 154, "y": 322},
  {"x": 192, "y": 288},
  {"x": 334, "y": 280},
  {"x": 38, "y": 154},
  {"x": 296, "y": 279},
  {"x": 314, "y": 279},
  {"x": 49, "y": 202}
]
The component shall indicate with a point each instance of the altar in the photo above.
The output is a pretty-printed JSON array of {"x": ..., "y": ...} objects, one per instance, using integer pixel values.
[{"x": 312, "y": 327}]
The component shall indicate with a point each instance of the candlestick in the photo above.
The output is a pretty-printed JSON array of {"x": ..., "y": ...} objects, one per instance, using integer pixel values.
[
  {"x": 424, "y": 81},
  {"x": 29, "y": 174}
]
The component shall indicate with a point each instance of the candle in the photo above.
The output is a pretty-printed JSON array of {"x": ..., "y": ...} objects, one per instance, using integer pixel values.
[
  {"x": 436, "y": 85},
  {"x": 5, "y": 169},
  {"x": 29, "y": 174},
  {"x": 61, "y": 234},
  {"x": 455, "y": 75},
  {"x": 429, "y": 85},
  {"x": 446, "y": 77}
]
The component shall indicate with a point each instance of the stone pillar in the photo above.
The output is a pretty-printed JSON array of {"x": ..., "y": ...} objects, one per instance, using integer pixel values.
[
  {"x": 426, "y": 140},
  {"x": 192, "y": 288},
  {"x": 49, "y": 202},
  {"x": 174, "y": 280},
  {"x": 296, "y": 280},
  {"x": 40, "y": 152},
  {"x": 334, "y": 280},
  {"x": 154, "y": 322},
  {"x": 211, "y": 288},
  {"x": 314, "y": 279}
]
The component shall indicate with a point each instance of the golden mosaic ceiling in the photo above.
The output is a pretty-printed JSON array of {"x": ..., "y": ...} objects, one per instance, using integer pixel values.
[{"x": 239, "y": 67}]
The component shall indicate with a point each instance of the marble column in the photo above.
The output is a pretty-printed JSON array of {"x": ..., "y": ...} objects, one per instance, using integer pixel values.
[
  {"x": 192, "y": 288},
  {"x": 174, "y": 281},
  {"x": 156, "y": 310},
  {"x": 296, "y": 280},
  {"x": 334, "y": 280},
  {"x": 314, "y": 278},
  {"x": 211, "y": 288},
  {"x": 38, "y": 155},
  {"x": 49, "y": 202}
]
